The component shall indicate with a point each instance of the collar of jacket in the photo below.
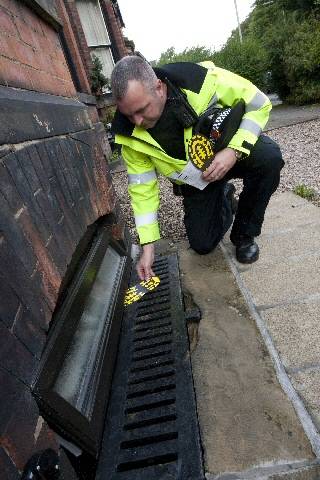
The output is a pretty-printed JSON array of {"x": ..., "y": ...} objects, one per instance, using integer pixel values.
[{"x": 186, "y": 75}]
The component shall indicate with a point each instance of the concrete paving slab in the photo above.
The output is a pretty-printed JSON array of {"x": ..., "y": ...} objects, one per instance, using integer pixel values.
[
  {"x": 307, "y": 384},
  {"x": 308, "y": 473},
  {"x": 276, "y": 246},
  {"x": 289, "y": 211},
  {"x": 295, "y": 330},
  {"x": 285, "y": 115},
  {"x": 294, "y": 471},
  {"x": 290, "y": 243},
  {"x": 285, "y": 281},
  {"x": 246, "y": 420}
]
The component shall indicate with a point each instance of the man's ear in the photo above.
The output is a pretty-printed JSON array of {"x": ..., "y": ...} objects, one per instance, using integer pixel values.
[{"x": 161, "y": 88}]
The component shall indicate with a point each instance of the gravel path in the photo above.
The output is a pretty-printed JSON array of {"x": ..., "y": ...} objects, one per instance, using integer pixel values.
[{"x": 300, "y": 145}]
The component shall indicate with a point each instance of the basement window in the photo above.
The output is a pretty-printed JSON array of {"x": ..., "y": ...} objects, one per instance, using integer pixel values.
[{"x": 73, "y": 384}]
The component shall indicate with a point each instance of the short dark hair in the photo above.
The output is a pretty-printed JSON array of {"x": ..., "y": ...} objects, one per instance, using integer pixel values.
[{"x": 131, "y": 68}]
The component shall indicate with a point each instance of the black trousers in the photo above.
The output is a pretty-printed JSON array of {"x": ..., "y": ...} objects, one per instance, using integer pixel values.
[{"x": 208, "y": 213}]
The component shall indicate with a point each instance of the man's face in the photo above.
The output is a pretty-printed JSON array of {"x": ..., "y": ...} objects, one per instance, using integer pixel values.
[{"x": 141, "y": 106}]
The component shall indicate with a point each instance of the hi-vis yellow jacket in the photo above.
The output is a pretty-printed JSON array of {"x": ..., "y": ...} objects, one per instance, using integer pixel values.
[{"x": 204, "y": 85}]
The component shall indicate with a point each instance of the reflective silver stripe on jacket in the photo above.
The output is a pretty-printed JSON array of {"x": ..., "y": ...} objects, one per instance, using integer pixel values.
[
  {"x": 250, "y": 126},
  {"x": 257, "y": 102},
  {"x": 146, "y": 219},
  {"x": 137, "y": 178}
]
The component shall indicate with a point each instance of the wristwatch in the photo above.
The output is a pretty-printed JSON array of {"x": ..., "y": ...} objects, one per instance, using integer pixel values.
[{"x": 238, "y": 154}]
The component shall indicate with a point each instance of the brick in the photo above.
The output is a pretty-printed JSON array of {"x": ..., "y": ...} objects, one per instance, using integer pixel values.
[
  {"x": 13, "y": 48},
  {"x": 59, "y": 247},
  {"x": 56, "y": 194},
  {"x": 27, "y": 183},
  {"x": 8, "y": 46},
  {"x": 51, "y": 35},
  {"x": 44, "y": 46},
  {"x": 15, "y": 358},
  {"x": 79, "y": 35},
  {"x": 71, "y": 177},
  {"x": 7, "y": 24},
  {"x": 9, "y": 307},
  {"x": 13, "y": 74},
  {"x": 84, "y": 187},
  {"x": 26, "y": 33},
  {"x": 55, "y": 154},
  {"x": 85, "y": 153},
  {"x": 28, "y": 290},
  {"x": 50, "y": 277},
  {"x": 72, "y": 48},
  {"x": 93, "y": 114},
  {"x": 32, "y": 19},
  {"x": 8, "y": 469},
  {"x": 13, "y": 235},
  {"x": 47, "y": 83},
  {"x": 11, "y": 6},
  {"x": 7, "y": 186},
  {"x": 18, "y": 439},
  {"x": 60, "y": 69},
  {"x": 28, "y": 331},
  {"x": 70, "y": 90},
  {"x": 11, "y": 392}
]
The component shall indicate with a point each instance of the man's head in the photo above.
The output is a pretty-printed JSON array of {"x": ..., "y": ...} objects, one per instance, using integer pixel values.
[{"x": 139, "y": 94}]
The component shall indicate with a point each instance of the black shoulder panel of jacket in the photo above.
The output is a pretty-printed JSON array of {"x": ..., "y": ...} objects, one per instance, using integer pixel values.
[
  {"x": 183, "y": 74},
  {"x": 121, "y": 125}
]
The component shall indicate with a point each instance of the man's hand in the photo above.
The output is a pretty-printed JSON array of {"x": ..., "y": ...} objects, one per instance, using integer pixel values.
[
  {"x": 144, "y": 265},
  {"x": 220, "y": 165}
]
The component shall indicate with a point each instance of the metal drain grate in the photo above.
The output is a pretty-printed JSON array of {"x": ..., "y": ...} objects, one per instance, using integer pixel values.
[{"x": 151, "y": 430}]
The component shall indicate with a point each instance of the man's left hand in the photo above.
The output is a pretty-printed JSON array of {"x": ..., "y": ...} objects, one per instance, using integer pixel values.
[{"x": 220, "y": 165}]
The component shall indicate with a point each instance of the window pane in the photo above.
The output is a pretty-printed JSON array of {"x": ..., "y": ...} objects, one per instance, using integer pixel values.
[
  {"x": 80, "y": 364},
  {"x": 105, "y": 56},
  {"x": 92, "y": 22}
]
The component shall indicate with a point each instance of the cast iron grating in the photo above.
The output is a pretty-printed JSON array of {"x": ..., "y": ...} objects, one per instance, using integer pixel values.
[{"x": 151, "y": 430}]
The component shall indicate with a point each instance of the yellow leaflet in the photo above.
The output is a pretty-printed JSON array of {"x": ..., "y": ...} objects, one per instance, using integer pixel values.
[{"x": 133, "y": 294}]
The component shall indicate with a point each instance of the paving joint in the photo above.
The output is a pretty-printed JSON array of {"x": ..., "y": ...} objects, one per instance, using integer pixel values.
[
  {"x": 264, "y": 472},
  {"x": 303, "y": 368},
  {"x": 278, "y": 232},
  {"x": 284, "y": 380},
  {"x": 313, "y": 298}
]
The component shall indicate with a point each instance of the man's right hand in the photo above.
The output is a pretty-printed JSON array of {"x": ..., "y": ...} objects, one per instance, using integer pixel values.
[{"x": 144, "y": 265}]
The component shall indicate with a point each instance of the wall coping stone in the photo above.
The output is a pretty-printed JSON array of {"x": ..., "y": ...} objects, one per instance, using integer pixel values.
[{"x": 40, "y": 115}]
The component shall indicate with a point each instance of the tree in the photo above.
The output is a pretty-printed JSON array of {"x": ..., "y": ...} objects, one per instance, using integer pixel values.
[
  {"x": 98, "y": 79},
  {"x": 248, "y": 59},
  {"x": 193, "y": 54}
]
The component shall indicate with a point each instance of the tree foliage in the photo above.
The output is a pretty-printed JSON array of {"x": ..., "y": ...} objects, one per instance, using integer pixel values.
[
  {"x": 280, "y": 49},
  {"x": 98, "y": 80},
  {"x": 193, "y": 54}
]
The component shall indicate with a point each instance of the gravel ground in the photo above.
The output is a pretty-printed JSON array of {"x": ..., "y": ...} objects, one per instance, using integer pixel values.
[{"x": 300, "y": 145}]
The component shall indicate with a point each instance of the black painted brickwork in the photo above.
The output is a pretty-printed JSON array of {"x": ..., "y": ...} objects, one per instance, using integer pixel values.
[{"x": 52, "y": 187}]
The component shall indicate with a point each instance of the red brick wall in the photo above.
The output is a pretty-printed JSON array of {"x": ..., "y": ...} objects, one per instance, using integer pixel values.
[
  {"x": 79, "y": 35},
  {"x": 51, "y": 189},
  {"x": 73, "y": 48},
  {"x": 31, "y": 56},
  {"x": 115, "y": 27},
  {"x": 50, "y": 192}
]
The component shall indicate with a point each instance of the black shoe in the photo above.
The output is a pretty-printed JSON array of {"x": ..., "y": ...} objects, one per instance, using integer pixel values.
[
  {"x": 247, "y": 251},
  {"x": 229, "y": 191}
]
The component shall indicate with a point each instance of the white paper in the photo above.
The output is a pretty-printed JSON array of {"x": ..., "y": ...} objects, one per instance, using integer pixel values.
[{"x": 190, "y": 175}]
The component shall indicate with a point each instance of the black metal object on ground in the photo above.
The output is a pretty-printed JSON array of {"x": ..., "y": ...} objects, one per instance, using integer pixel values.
[{"x": 152, "y": 430}]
